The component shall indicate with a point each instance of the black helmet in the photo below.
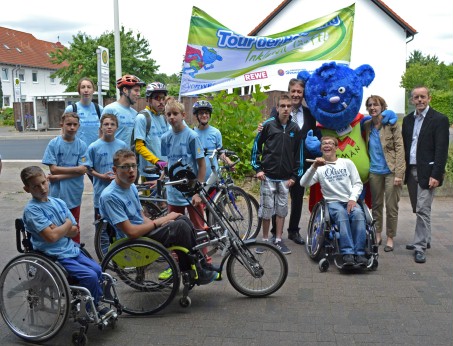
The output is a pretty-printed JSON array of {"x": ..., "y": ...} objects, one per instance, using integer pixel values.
[{"x": 201, "y": 104}]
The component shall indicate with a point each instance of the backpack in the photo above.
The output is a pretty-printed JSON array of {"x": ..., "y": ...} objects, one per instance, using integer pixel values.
[
  {"x": 98, "y": 110},
  {"x": 148, "y": 127}
]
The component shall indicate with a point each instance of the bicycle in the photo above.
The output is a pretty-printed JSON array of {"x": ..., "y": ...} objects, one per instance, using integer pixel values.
[{"x": 137, "y": 264}]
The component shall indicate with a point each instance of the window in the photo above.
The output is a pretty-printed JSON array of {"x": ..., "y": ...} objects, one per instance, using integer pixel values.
[
  {"x": 34, "y": 77},
  {"x": 6, "y": 102},
  {"x": 52, "y": 80},
  {"x": 6, "y": 46},
  {"x": 18, "y": 49},
  {"x": 5, "y": 74},
  {"x": 22, "y": 76}
]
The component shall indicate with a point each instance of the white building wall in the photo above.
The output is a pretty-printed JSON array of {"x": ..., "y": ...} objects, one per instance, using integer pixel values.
[
  {"x": 29, "y": 89},
  {"x": 377, "y": 40}
]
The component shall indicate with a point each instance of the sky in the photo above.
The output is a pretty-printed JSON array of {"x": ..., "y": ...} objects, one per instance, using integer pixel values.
[{"x": 165, "y": 24}]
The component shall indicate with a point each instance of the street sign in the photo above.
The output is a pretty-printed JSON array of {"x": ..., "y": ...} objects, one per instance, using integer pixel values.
[
  {"x": 17, "y": 91},
  {"x": 105, "y": 68}
]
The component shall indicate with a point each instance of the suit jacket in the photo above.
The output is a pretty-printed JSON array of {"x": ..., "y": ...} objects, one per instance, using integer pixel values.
[
  {"x": 432, "y": 146},
  {"x": 309, "y": 124}
]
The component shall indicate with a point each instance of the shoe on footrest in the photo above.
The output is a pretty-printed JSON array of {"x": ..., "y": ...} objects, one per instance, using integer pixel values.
[
  {"x": 166, "y": 274},
  {"x": 206, "y": 276},
  {"x": 361, "y": 260},
  {"x": 348, "y": 260},
  {"x": 104, "y": 312}
]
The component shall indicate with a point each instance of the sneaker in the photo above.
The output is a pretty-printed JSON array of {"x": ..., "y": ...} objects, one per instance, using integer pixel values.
[
  {"x": 206, "y": 276},
  {"x": 259, "y": 250},
  {"x": 104, "y": 312},
  {"x": 282, "y": 247},
  {"x": 361, "y": 260},
  {"x": 348, "y": 260},
  {"x": 166, "y": 274}
]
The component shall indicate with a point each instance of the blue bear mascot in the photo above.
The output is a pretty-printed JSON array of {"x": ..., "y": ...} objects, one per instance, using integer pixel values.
[{"x": 334, "y": 95}]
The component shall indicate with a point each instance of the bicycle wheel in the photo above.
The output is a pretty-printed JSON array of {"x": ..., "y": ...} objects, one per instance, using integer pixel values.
[
  {"x": 152, "y": 210},
  {"x": 256, "y": 220},
  {"x": 270, "y": 268},
  {"x": 235, "y": 206},
  {"x": 136, "y": 265},
  {"x": 34, "y": 297}
]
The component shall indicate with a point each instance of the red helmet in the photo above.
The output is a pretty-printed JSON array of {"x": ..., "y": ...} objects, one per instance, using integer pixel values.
[{"x": 129, "y": 81}]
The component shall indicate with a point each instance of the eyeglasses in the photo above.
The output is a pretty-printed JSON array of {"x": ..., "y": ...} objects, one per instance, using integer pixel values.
[
  {"x": 127, "y": 167},
  {"x": 203, "y": 113},
  {"x": 159, "y": 98},
  {"x": 328, "y": 143}
]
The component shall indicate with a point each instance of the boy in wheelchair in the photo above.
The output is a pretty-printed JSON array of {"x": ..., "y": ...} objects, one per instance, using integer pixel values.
[
  {"x": 120, "y": 206},
  {"x": 51, "y": 226},
  {"x": 341, "y": 187}
]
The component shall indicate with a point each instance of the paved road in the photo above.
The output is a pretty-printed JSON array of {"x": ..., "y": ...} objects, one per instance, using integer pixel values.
[{"x": 402, "y": 303}]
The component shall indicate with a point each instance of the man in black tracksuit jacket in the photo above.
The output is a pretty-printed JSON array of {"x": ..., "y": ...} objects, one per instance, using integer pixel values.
[{"x": 277, "y": 158}]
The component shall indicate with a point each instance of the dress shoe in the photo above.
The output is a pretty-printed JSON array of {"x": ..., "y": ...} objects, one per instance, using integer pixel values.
[
  {"x": 419, "y": 257},
  {"x": 295, "y": 237}
]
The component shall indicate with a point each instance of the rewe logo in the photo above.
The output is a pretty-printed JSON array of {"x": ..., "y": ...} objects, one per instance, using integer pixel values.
[{"x": 255, "y": 76}]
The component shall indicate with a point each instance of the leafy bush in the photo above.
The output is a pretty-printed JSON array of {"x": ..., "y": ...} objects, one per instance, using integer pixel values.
[
  {"x": 7, "y": 117},
  {"x": 449, "y": 166},
  {"x": 441, "y": 101},
  {"x": 237, "y": 119}
]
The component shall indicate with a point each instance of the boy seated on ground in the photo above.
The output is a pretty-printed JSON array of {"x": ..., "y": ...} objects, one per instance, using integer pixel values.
[
  {"x": 51, "y": 226},
  {"x": 120, "y": 206},
  {"x": 341, "y": 187}
]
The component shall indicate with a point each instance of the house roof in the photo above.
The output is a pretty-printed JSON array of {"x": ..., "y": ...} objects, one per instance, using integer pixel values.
[
  {"x": 22, "y": 48},
  {"x": 410, "y": 31}
]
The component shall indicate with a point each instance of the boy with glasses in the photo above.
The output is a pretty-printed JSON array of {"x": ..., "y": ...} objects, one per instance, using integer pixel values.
[
  {"x": 276, "y": 158},
  {"x": 341, "y": 187},
  {"x": 120, "y": 206},
  {"x": 149, "y": 126}
]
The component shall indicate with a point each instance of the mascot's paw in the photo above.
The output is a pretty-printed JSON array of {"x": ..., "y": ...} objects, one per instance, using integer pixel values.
[
  {"x": 389, "y": 117},
  {"x": 313, "y": 144}
]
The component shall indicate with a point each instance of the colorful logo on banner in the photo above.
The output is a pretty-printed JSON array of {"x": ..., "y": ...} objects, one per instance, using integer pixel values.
[{"x": 217, "y": 58}]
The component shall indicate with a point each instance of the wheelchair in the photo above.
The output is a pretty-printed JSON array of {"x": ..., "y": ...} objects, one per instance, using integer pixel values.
[
  {"x": 323, "y": 237},
  {"x": 37, "y": 296}
]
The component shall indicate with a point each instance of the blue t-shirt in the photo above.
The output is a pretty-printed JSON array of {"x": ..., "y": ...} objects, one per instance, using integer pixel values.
[
  {"x": 66, "y": 154},
  {"x": 89, "y": 122},
  {"x": 118, "y": 205},
  {"x": 126, "y": 117},
  {"x": 186, "y": 145},
  {"x": 153, "y": 139},
  {"x": 40, "y": 215},
  {"x": 211, "y": 139},
  {"x": 378, "y": 165},
  {"x": 100, "y": 158}
]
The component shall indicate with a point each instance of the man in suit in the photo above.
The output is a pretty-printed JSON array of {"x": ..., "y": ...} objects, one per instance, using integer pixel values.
[
  {"x": 305, "y": 120},
  {"x": 425, "y": 136}
]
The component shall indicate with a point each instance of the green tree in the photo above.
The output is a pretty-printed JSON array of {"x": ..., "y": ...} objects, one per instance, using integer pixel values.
[
  {"x": 81, "y": 58},
  {"x": 417, "y": 57}
]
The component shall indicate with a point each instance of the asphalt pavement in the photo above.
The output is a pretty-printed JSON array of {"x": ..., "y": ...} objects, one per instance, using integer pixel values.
[{"x": 402, "y": 303}]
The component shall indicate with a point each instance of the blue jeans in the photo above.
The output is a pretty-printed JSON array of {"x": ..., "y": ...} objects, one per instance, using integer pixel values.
[
  {"x": 87, "y": 273},
  {"x": 352, "y": 227}
]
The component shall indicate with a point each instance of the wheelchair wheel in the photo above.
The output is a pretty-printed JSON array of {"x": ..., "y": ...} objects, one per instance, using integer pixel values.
[
  {"x": 101, "y": 239},
  {"x": 235, "y": 206},
  {"x": 34, "y": 297},
  {"x": 137, "y": 266},
  {"x": 270, "y": 269},
  {"x": 315, "y": 232}
]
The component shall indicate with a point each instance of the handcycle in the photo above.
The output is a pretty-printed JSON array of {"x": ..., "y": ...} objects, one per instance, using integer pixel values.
[
  {"x": 37, "y": 296},
  {"x": 138, "y": 264}
]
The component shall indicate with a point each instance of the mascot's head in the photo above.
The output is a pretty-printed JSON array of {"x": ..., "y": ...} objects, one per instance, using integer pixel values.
[{"x": 334, "y": 93}]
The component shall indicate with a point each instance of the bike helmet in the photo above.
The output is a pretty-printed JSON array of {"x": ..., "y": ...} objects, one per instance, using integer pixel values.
[
  {"x": 129, "y": 81},
  {"x": 156, "y": 87},
  {"x": 201, "y": 104}
]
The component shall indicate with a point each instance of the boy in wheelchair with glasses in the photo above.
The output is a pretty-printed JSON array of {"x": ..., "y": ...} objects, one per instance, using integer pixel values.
[
  {"x": 341, "y": 187},
  {"x": 120, "y": 206},
  {"x": 52, "y": 227}
]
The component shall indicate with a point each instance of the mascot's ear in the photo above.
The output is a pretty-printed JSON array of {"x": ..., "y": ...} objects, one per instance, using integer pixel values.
[
  {"x": 365, "y": 74},
  {"x": 303, "y": 75}
]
